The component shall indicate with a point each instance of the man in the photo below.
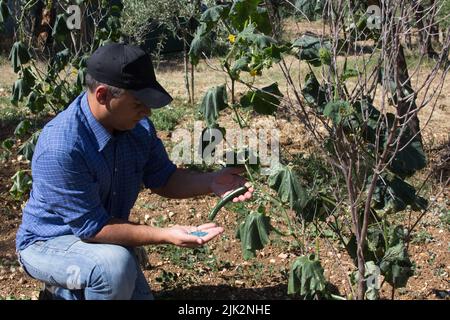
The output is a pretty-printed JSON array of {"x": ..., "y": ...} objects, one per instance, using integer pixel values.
[{"x": 88, "y": 167}]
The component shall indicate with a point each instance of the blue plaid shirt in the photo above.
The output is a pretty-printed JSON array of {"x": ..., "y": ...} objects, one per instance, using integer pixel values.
[{"x": 83, "y": 175}]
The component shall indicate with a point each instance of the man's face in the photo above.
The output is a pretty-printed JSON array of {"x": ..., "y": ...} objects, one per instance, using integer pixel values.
[
  {"x": 126, "y": 111},
  {"x": 117, "y": 113}
]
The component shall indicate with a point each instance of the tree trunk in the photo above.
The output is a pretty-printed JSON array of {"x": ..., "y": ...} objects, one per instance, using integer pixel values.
[
  {"x": 403, "y": 106},
  {"x": 186, "y": 68},
  {"x": 423, "y": 24}
]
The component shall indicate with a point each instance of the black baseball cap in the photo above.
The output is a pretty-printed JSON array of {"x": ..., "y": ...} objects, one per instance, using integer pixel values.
[{"x": 128, "y": 67}]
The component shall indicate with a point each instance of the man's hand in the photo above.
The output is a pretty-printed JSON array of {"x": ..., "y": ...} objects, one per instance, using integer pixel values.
[
  {"x": 179, "y": 235},
  {"x": 228, "y": 179}
]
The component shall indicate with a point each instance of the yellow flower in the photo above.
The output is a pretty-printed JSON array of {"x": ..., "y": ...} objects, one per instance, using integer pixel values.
[
  {"x": 74, "y": 72},
  {"x": 253, "y": 72},
  {"x": 232, "y": 38}
]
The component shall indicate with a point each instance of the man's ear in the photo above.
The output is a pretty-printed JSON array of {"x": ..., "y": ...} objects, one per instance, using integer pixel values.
[{"x": 101, "y": 94}]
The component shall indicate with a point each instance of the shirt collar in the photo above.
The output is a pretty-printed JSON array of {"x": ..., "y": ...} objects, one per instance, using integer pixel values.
[{"x": 101, "y": 135}]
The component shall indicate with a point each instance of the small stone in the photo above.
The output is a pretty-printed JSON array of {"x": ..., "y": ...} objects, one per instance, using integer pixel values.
[
  {"x": 272, "y": 261},
  {"x": 282, "y": 256},
  {"x": 239, "y": 282}
]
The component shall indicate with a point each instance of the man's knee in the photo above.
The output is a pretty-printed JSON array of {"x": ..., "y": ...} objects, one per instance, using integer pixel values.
[{"x": 115, "y": 273}]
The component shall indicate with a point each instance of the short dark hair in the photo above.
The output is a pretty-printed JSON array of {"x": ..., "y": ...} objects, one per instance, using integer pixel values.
[{"x": 92, "y": 84}]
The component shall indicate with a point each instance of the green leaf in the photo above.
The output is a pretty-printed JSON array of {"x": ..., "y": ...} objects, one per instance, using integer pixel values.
[
  {"x": 22, "y": 87},
  {"x": 27, "y": 148},
  {"x": 314, "y": 93},
  {"x": 239, "y": 65},
  {"x": 240, "y": 11},
  {"x": 200, "y": 44},
  {"x": 7, "y": 144},
  {"x": 212, "y": 16},
  {"x": 410, "y": 159},
  {"x": 306, "y": 277},
  {"x": 19, "y": 55},
  {"x": 4, "y": 11},
  {"x": 214, "y": 101},
  {"x": 338, "y": 111},
  {"x": 325, "y": 56},
  {"x": 81, "y": 77},
  {"x": 371, "y": 274},
  {"x": 60, "y": 60},
  {"x": 396, "y": 266},
  {"x": 392, "y": 194},
  {"x": 36, "y": 102},
  {"x": 21, "y": 184},
  {"x": 22, "y": 128},
  {"x": 264, "y": 101},
  {"x": 308, "y": 48},
  {"x": 254, "y": 233},
  {"x": 60, "y": 30},
  {"x": 287, "y": 184},
  {"x": 349, "y": 73}
]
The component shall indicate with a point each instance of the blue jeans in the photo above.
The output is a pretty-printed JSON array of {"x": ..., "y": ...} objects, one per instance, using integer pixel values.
[{"x": 91, "y": 271}]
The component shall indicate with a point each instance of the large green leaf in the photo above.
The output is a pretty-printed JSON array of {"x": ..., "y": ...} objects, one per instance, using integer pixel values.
[
  {"x": 201, "y": 43},
  {"x": 287, "y": 184},
  {"x": 213, "y": 102},
  {"x": 306, "y": 277},
  {"x": 264, "y": 101},
  {"x": 20, "y": 90},
  {"x": 314, "y": 93},
  {"x": 254, "y": 233},
  {"x": 36, "y": 102},
  {"x": 213, "y": 15},
  {"x": 60, "y": 30},
  {"x": 371, "y": 275},
  {"x": 7, "y": 144},
  {"x": 239, "y": 65},
  {"x": 308, "y": 48},
  {"x": 22, "y": 128},
  {"x": 240, "y": 11},
  {"x": 338, "y": 111},
  {"x": 22, "y": 87},
  {"x": 392, "y": 194},
  {"x": 410, "y": 159},
  {"x": 21, "y": 184},
  {"x": 4, "y": 11},
  {"x": 19, "y": 55},
  {"x": 396, "y": 267},
  {"x": 60, "y": 60}
]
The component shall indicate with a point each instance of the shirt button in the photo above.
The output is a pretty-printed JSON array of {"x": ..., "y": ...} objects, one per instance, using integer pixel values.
[
  {"x": 115, "y": 169},
  {"x": 114, "y": 193}
]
